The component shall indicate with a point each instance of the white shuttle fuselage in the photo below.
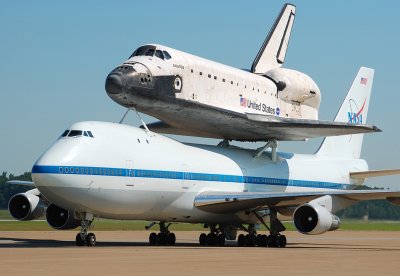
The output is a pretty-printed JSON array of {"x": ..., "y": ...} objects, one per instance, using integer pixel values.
[
  {"x": 179, "y": 88},
  {"x": 206, "y": 82},
  {"x": 199, "y": 97}
]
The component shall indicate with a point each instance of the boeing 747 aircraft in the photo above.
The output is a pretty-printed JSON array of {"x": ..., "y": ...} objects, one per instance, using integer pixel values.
[
  {"x": 198, "y": 97},
  {"x": 116, "y": 171}
]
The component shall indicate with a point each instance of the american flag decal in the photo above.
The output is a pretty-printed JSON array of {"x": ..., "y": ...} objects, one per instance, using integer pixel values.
[
  {"x": 364, "y": 81},
  {"x": 243, "y": 102}
]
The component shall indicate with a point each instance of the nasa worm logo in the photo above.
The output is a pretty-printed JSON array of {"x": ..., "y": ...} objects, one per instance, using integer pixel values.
[{"x": 355, "y": 117}]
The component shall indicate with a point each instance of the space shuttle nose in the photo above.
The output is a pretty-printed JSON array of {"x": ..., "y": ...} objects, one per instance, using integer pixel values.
[{"x": 114, "y": 83}]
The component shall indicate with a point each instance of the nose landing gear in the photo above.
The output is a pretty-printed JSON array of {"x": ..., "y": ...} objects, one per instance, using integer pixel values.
[{"x": 83, "y": 237}]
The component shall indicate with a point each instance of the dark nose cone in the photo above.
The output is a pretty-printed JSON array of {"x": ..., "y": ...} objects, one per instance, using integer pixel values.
[{"x": 114, "y": 83}]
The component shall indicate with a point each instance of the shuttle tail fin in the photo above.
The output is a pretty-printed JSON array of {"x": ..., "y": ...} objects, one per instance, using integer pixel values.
[
  {"x": 273, "y": 51},
  {"x": 354, "y": 110}
]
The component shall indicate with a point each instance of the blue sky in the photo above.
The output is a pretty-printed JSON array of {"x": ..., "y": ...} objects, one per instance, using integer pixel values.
[{"x": 55, "y": 57}]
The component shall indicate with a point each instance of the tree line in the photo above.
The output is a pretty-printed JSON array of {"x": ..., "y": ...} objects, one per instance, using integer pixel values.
[{"x": 373, "y": 209}]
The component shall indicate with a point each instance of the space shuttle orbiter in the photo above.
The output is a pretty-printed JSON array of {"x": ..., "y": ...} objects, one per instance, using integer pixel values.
[{"x": 198, "y": 97}]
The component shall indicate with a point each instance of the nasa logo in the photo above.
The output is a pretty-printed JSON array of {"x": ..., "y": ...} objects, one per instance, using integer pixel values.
[
  {"x": 355, "y": 117},
  {"x": 278, "y": 111}
]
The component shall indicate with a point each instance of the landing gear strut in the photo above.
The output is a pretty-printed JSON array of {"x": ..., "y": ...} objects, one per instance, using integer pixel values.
[
  {"x": 83, "y": 237},
  {"x": 165, "y": 237},
  {"x": 276, "y": 226}
]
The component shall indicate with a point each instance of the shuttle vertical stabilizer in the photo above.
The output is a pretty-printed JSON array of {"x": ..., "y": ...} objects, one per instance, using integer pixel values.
[{"x": 273, "y": 51}]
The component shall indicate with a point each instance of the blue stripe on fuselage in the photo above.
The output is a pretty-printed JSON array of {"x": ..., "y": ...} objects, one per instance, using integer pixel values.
[{"x": 124, "y": 172}]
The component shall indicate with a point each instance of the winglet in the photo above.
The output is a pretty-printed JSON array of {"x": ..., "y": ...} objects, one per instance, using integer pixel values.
[{"x": 273, "y": 51}]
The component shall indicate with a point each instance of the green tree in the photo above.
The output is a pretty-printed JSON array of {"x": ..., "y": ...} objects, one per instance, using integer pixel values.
[{"x": 7, "y": 190}]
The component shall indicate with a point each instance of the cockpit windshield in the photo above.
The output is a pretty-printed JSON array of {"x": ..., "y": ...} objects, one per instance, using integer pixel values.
[
  {"x": 150, "y": 51},
  {"x": 76, "y": 133}
]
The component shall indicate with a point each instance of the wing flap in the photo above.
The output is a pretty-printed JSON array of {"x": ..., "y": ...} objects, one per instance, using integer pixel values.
[
  {"x": 234, "y": 202},
  {"x": 368, "y": 174}
]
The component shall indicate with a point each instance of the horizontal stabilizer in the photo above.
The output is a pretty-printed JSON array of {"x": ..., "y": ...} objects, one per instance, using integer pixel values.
[{"x": 368, "y": 174}]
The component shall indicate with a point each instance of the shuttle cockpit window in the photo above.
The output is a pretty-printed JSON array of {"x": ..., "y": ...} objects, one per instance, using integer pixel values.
[
  {"x": 159, "y": 54},
  {"x": 144, "y": 51},
  {"x": 166, "y": 55},
  {"x": 151, "y": 51}
]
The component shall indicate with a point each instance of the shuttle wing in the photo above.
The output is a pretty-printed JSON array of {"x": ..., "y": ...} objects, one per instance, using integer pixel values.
[
  {"x": 211, "y": 122},
  {"x": 214, "y": 202}
]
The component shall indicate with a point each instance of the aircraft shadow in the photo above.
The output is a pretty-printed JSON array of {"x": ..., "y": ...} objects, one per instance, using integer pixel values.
[
  {"x": 49, "y": 243},
  {"x": 338, "y": 246}
]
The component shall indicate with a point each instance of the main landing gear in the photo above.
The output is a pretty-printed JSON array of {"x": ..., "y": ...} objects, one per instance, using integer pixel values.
[
  {"x": 83, "y": 237},
  {"x": 165, "y": 237},
  {"x": 274, "y": 239},
  {"x": 216, "y": 237}
]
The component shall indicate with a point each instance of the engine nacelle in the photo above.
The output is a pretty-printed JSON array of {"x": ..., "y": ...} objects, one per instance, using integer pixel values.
[
  {"x": 294, "y": 86},
  {"x": 60, "y": 219},
  {"x": 314, "y": 219},
  {"x": 26, "y": 206}
]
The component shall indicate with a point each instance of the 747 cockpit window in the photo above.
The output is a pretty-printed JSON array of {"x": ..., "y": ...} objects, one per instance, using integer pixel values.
[
  {"x": 77, "y": 133},
  {"x": 65, "y": 133}
]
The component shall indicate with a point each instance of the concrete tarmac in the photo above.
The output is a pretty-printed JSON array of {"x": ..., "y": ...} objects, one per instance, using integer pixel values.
[{"x": 128, "y": 253}]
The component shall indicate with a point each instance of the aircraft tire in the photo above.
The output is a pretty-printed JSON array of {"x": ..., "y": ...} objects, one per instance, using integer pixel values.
[
  {"x": 162, "y": 238},
  {"x": 241, "y": 240},
  {"x": 153, "y": 239},
  {"x": 250, "y": 240},
  {"x": 203, "y": 239},
  {"x": 79, "y": 240},
  {"x": 91, "y": 239},
  {"x": 221, "y": 239},
  {"x": 281, "y": 241},
  {"x": 262, "y": 240},
  {"x": 211, "y": 239},
  {"x": 171, "y": 239}
]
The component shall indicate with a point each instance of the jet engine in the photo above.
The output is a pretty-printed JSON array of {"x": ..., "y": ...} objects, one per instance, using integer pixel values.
[
  {"x": 294, "y": 86},
  {"x": 314, "y": 219},
  {"x": 60, "y": 219},
  {"x": 26, "y": 206}
]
